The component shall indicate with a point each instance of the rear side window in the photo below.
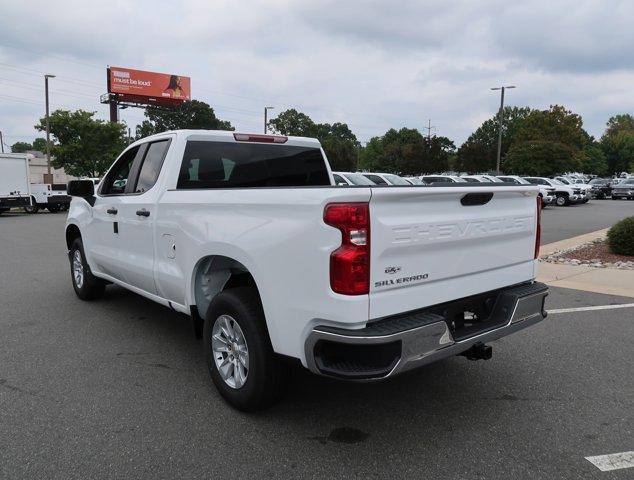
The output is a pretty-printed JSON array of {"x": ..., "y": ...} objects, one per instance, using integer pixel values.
[
  {"x": 233, "y": 165},
  {"x": 151, "y": 166}
]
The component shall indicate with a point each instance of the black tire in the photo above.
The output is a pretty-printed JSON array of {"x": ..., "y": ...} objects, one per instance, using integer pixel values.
[
  {"x": 91, "y": 286},
  {"x": 53, "y": 208},
  {"x": 31, "y": 209},
  {"x": 266, "y": 375},
  {"x": 562, "y": 200}
]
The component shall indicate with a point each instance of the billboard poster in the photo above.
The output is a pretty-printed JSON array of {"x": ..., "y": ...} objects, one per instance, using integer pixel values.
[{"x": 137, "y": 84}]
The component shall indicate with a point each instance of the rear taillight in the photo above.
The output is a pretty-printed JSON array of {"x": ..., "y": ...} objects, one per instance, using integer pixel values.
[
  {"x": 252, "y": 137},
  {"x": 350, "y": 263},
  {"x": 538, "y": 228}
]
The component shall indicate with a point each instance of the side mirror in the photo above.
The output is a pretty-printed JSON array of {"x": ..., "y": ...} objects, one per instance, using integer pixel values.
[{"x": 82, "y": 188}]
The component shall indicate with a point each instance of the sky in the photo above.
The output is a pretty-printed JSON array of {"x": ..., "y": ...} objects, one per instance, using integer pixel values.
[{"x": 372, "y": 64}]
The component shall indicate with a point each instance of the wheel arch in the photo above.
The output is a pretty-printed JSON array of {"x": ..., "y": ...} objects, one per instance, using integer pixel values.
[
  {"x": 213, "y": 274},
  {"x": 72, "y": 233}
]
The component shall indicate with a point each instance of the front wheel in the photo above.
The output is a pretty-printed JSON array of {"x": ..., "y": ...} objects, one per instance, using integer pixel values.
[
  {"x": 239, "y": 355},
  {"x": 86, "y": 285},
  {"x": 562, "y": 201}
]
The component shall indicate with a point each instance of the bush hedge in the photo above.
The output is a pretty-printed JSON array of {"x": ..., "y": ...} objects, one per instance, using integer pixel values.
[{"x": 621, "y": 237}]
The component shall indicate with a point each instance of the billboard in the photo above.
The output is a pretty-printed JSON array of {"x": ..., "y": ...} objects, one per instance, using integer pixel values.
[{"x": 148, "y": 87}]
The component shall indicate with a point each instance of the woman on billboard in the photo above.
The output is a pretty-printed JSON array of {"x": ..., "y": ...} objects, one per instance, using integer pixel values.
[{"x": 174, "y": 88}]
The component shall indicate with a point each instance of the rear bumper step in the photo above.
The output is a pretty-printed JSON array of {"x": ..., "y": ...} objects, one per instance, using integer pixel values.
[{"x": 395, "y": 344}]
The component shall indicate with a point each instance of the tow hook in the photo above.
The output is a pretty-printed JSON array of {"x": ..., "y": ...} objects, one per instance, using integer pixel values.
[{"x": 479, "y": 351}]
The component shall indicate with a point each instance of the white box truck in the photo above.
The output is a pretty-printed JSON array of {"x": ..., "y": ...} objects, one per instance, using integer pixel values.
[{"x": 14, "y": 181}]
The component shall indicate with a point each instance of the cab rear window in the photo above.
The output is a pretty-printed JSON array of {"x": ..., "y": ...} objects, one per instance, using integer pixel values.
[{"x": 209, "y": 164}]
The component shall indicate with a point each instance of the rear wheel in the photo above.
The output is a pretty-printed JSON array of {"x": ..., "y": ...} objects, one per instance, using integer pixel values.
[
  {"x": 86, "y": 285},
  {"x": 31, "y": 209},
  {"x": 53, "y": 208},
  {"x": 239, "y": 355}
]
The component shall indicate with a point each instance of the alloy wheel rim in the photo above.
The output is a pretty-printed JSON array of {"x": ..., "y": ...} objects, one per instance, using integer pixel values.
[
  {"x": 78, "y": 269},
  {"x": 230, "y": 351}
]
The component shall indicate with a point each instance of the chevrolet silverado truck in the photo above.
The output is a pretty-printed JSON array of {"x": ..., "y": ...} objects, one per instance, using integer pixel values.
[{"x": 250, "y": 236}]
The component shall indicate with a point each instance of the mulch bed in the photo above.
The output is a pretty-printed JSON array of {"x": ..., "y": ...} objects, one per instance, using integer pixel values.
[{"x": 596, "y": 251}]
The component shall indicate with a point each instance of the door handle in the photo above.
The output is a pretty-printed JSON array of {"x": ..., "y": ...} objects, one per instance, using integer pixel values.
[
  {"x": 143, "y": 213},
  {"x": 112, "y": 211}
]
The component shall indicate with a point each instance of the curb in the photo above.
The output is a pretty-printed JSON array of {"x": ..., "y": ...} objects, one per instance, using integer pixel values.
[{"x": 607, "y": 281}]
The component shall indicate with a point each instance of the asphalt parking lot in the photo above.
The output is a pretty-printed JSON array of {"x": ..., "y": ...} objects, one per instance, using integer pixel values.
[
  {"x": 118, "y": 388},
  {"x": 559, "y": 223}
]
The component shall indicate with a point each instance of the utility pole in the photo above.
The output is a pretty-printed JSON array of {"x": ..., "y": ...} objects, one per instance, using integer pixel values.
[
  {"x": 266, "y": 110},
  {"x": 49, "y": 176},
  {"x": 500, "y": 119},
  {"x": 1, "y": 142},
  {"x": 429, "y": 128}
]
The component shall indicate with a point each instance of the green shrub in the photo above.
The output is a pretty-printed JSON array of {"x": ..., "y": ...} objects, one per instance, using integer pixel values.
[{"x": 621, "y": 237}]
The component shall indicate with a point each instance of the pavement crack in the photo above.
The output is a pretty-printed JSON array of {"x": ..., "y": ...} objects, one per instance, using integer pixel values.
[{"x": 13, "y": 388}]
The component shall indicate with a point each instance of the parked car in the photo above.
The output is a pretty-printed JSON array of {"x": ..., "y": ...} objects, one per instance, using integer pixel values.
[
  {"x": 351, "y": 179},
  {"x": 546, "y": 193},
  {"x": 415, "y": 181},
  {"x": 480, "y": 178},
  {"x": 624, "y": 189},
  {"x": 586, "y": 189},
  {"x": 386, "y": 179},
  {"x": 601, "y": 187},
  {"x": 429, "y": 179},
  {"x": 287, "y": 272},
  {"x": 564, "y": 194}
]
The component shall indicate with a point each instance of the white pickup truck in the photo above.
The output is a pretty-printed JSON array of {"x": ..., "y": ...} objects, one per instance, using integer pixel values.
[{"x": 249, "y": 235}]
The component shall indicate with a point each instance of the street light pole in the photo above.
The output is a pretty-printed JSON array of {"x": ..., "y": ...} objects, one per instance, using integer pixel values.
[
  {"x": 266, "y": 109},
  {"x": 48, "y": 145},
  {"x": 500, "y": 117}
]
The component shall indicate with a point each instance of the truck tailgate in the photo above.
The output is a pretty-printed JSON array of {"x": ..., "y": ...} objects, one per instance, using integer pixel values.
[{"x": 435, "y": 244}]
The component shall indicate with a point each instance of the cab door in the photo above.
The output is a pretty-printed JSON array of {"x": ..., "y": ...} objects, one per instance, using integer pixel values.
[
  {"x": 137, "y": 217},
  {"x": 103, "y": 246}
]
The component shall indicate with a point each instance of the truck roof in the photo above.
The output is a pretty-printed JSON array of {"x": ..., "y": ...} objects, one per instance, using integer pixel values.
[{"x": 225, "y": 135}]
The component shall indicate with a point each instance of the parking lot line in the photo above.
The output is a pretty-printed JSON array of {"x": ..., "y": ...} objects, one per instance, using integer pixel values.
[
  {"x": 587, "y": 309},
  {"x": 613, "y": 461}
]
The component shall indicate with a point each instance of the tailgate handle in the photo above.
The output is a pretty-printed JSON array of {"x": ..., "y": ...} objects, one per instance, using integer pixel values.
[{"x": 476, "y": 198}]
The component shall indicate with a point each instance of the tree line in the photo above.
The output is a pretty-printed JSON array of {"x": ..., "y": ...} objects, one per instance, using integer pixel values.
[{"x": 534, "y": 142}]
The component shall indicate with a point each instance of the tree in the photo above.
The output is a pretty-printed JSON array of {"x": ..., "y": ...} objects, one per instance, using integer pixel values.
[
  {"x": 542, "y": 158},
  {"x": 617, "y": 142},
  {"x": 337, "y": 140},
  {"x": 39, "y": 144},
  {"x": 474, "y": 156},
  {"x": 407, "y": 152},
  {"x": 556, "y": 125},
  {"x": 594, "y": 161},
  {"x": 479, "y": 152},
  {"x": 83, "y": 145},
  {"x": 294, "y": 123},
  {"x": 21, "y": 147},
  {"x": 619, "y": 123},
  {"x": 192, "y": 114}
]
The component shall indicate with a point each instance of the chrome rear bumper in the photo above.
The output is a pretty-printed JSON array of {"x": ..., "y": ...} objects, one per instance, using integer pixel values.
[{"x": 390, "y": 346}]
